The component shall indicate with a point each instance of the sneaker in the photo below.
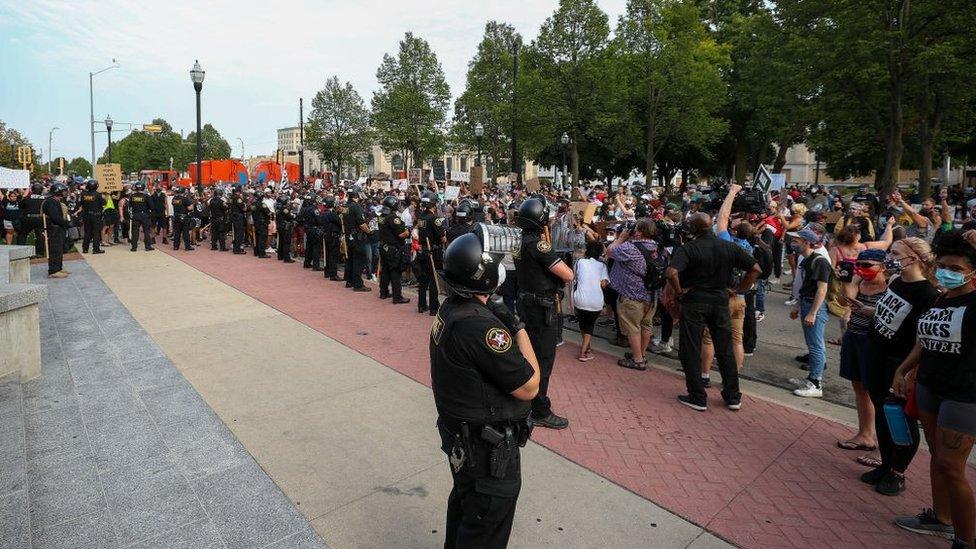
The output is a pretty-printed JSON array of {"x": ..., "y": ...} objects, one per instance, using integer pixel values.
[
  {"x": 663, "y": 348},
  {"x": 707, "y": 382},
  {"x": 58, "y": 274},
  {"x": 890, "y": 485},
  {"x": 734, "y": 405},
  {"x": 798, "y": 382},
  {"x": 790, "y": 302},
  {"x": 959, "y": 544},
  {"x": 552, "y": 421},
  {"x": 585, "y": 357},
  {"x": 686, "y": 400},
  {"x": 760, "y": 316},
  {"x": 748, "y": 353},
  {"x": 809, "y": 390},
  {"x": 926, "y": 523},
  {"x": 802, "y": 358},
  {"x": 560, "y": 343},
  {"x": 632, "y": 364},
  {"x": 874, "y": 476}
]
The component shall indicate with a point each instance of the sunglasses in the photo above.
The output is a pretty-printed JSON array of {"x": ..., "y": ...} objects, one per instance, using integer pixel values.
[{"x": 866, "y": 265}]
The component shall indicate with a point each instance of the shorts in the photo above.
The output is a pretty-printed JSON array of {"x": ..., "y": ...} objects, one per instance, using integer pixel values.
[
  {"x": 951, "y": 414},
  {"x": 9, "y": 225},
  {"x": 737, "y": 311},
  {"x": 635, "y": 316},
  {"x": 855, "y": 356},
  {"x": 587, "y": 320}
]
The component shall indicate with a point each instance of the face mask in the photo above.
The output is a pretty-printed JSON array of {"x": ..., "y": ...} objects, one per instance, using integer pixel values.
[
  {"x": 893, "y": 266},
  {"x": 501, "y": 275},
  {"x": 611, "y": 238},
  {"x": 950, "y": 280},
  {"x": 866, "y": 273}
]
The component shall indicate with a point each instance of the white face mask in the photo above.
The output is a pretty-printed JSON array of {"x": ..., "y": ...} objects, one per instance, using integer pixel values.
[{"x": 501, "y": 275}]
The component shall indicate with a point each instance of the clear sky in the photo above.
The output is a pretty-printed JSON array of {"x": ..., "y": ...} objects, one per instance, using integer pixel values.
[{"x": 260, "y": 57}]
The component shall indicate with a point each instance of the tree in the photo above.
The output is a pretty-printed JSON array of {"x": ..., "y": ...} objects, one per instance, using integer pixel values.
[
  {"x": 410, "y": 108},
  {"x": 338, "y": 126},
  {"x": 214, "y": 147},
  {"x": 674, "y": 70},
  {"x": 80, "y": 166},
  {"x": 146, "y": 151},
  {"x": 10, "y": 140}
]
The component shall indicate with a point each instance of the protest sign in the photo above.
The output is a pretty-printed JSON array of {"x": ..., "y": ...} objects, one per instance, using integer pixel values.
[
  {"x": 451, "y": 192},
  {"x": 460, "y": 177},
  {"x": 109, "y": 177},
  {"x": 438, "y": 169},
  {"x": 415, "y": 175},
  {"x": 14, "y": 179},
  {"x": 779, "y": 181},
  {"x": 401, "y": 184},
  {"x": 762, "y": 180},
  {"x": 586, "y": 209},
  {"x": 532, "y": 184},
  {"x": 477, "y": 177}
]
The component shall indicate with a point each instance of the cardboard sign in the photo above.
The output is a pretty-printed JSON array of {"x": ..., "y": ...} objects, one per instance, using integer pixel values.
[
  {"x": 477, "y": 179},
  {"x": 109, "y": 177},
  {"x": 14, "y": 179},
  {"x": 451, "y": 192},
  {"x": 415, "y": 175},
  {"x": 532, "y": 184},
  {"x": 460, "y": 177},
  {"x": 585, "y": 208},
  {"x": 401, "y": 184}
]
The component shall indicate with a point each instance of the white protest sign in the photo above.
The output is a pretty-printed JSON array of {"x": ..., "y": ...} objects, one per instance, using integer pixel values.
[
  {"x": 401, "y": 184},
  {"x": 14, "y": 179},
  {"x": 779, "y": 181},
  {"x": 463, "y": 177},
  {"x": 451, "y": 192}
]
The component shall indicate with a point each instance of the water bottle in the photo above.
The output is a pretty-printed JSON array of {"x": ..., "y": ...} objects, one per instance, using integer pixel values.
[{"x": 894, "y": 410}]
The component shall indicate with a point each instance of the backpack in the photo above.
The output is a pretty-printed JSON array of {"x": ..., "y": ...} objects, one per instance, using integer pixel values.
[
  {"x": 654, "y": 278},
  {"x": 764, "y": 256}
]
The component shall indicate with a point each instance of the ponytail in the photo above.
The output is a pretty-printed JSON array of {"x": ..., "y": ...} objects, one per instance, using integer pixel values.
[{"x": 923, "y": 251}]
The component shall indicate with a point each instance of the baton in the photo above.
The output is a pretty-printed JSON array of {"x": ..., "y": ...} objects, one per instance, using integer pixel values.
[
  {"x": 47, "y": 249},
  {"x": 433, "y": 269}
]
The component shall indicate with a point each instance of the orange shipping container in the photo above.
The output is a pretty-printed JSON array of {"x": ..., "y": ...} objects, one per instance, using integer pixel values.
[{"x": 218, "y": 171}]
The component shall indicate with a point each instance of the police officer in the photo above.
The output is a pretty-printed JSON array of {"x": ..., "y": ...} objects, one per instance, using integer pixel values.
[
  {"x": 430, "y": 229},
  {"x": 261, "y": 215},
  {"x": 157, "y": 206},
  {"x": 238, "y": 215},
  {"x": 285, "y": 219},
  {"x": 92, "y": 203},
  {"x": 310, "y": 221},
  {"x": 56, "y": 220},
  {"x": 139, "y": 217},
  {"x": 540, "y": 275},
  {"x": 182, "y": 205},
  {"x": 463, "y": 220},
  {"x": 31, "y": 220},
  {"x": 392, "y": 233},
  {"x": 483, "y": 373},
  {"x": 357, "y": 231},
  {"x": 218, "y": 221},
  {"x": 331, "y": 224}
]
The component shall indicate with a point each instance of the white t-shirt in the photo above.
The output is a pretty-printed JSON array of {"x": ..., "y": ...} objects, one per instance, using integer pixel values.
[{"x": 588, "y": 294}]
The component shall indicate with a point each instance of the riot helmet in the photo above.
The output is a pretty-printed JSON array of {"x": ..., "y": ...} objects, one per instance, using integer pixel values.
[
  {"x": 91, "y": 185},
  {"x": 532, "y": 215},
  {"x": 58, "y": 189}
]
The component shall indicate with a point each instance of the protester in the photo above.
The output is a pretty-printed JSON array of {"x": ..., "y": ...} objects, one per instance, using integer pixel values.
[
  {"x": 591, "y": 278},
  {"x": 631, "y": 253},
  {"x": 811, "y": 306}
]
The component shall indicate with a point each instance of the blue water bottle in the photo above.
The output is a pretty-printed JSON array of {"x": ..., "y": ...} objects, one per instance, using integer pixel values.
[{"x": 894, "y": 411}]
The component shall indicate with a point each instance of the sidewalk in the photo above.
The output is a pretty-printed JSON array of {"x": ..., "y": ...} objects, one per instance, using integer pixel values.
[
  {"x": 768, "y": 476},
  {"x": 349, "y": 440}
]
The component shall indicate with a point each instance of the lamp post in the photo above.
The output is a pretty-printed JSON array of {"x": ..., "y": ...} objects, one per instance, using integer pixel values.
[
  {"x": 301, "y": 141},
  {"x": 242, "y": 148},
  {"x": 91, "y": 102},
  {"x": 49, "y": 149},
  {"x": 516, "y": 166},
  {"x": 108, "y": 126},
  {"x": 479, "y": 132},
  {"x": 196, "y": 76},
  {"x": 565, "y": 142}
]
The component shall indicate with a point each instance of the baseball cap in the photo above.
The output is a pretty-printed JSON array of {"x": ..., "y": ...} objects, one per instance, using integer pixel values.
[{"x": 805, "y": 234}]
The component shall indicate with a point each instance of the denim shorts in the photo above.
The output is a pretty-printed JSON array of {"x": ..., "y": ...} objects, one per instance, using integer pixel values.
[{"x": 952, "y": 414}]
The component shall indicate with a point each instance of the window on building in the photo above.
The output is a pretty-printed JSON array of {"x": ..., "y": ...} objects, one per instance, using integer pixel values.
[
  {"x": 449, "y": 165},
  {"x": 464, "y": 163}
]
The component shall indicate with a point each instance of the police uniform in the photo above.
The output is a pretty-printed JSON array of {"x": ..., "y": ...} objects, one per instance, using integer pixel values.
[
  {"x": 313, "y": 234},
  {"x": 139, "y": 217},
  {"x": 475, "y": 366},
  {"x": 331, "y": 224},
  {"x": 285, "y": 220},
  {"x": 355, "y": 245},
  {"x": 238, "y": 215},
  {"x": 537, "y": 308},
  {"x": 56, "y": 214},
  {"x": 261, "y": 215},
  {"x": 392, "y": 231},
  {"x": 430, "y": 228},
  {"x": 459, "y": 229},
  {"x": 218, "y": 223},
  {"x": 157, "y": 205},
  {"x": 182, "y": 222},
  {"x": 31, "y": 221},
  {"x": 92, "y": 204}
]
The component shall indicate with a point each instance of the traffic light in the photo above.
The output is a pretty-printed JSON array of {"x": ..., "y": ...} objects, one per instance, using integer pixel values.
[
  {"x": 61, "y": 165},
  {"x": 25, "y": 155}
]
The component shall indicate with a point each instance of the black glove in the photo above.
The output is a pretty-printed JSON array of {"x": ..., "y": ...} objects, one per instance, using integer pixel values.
[{"x": 508, "y": 318}]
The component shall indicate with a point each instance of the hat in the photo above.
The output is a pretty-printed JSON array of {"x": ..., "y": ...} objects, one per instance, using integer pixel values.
[
  {"x": 872, "y": 255},
  {"x": 805, "y": 234},
  {"x": 816, "y": 228}
]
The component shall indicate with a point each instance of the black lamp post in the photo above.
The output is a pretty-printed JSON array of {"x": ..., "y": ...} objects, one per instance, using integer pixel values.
[
  {"x": 108, "y": 126},
  {"x": 479, "y": 132},
  {"x": 301, "y": 141},
  {"x": 196, "y": 76},
  {"x": 565, "y": 141}
]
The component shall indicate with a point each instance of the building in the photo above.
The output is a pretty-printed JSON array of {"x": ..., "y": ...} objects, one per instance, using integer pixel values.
[
  {"x": 390, "y": 163},
  {"x": 289, "y": 140}
]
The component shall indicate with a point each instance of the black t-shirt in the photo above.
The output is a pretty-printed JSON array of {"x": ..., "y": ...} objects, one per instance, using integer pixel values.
[
  {"x": 706, "y": 265},
  {"x": 897, "y": 312},
  {"x": 532, "y": 264},
  {"x": 816, "y": 268},
  {"x": 948, "y": 365}
]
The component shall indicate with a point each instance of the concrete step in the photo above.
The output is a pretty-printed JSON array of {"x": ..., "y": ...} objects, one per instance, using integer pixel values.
[{"x": 14, "y": 530}]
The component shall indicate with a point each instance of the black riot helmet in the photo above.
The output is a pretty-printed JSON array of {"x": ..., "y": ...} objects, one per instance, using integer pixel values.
[
  {"x": 469, "y": 269},
  {"x": 179, "y": 189},
  {"x": 390, "y": 204},
  {"x": 329, "y": 201},
  {"x": 37, "y": 188},
  {"x": 139, "y": 186},
  {"x": 463, "y": 210},
  {"x": 428, "y": 200},
  {"x": 354, "y": 192},
  {"x": 218, "y": 192},
  {"x": 282, "y": 201},
  {"x": 477, "y": 211},
  {"x": 91, "y": 185},
  {"x": 238, "y": 189},
  {"x": 532, "y": 215},
  {"x": 58, "y": 189}
]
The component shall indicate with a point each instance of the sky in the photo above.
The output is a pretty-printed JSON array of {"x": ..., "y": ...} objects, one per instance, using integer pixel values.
[{"x": 259, "y": 58}]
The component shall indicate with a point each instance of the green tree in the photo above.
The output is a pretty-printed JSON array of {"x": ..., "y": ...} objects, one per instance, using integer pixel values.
[
  {"x": 80, "y": 166},
  {"x": 146, "y": 151},
  {"x": 410, "y": 108},
  {"x": 674, "y": 70},
  {"x": 214, "y": 147},
  {"x": 10, "y": 140},
  {"x": 338, "y": 126}
]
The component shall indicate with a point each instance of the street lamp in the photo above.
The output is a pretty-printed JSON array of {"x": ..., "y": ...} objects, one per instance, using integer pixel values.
[
  {"x": 242, "y": 148},
  {"x": 91, "y": 101},
  {"x": 196, "y": 76},
  {"x": 108, "y": 126},
  {"x": 565, "y": 141},
  {"x": 479, "y": 132},
  {"x": 49, "y": 149}
]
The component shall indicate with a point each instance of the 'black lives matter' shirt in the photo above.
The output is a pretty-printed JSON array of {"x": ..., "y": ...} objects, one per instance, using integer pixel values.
[
  {"x": 948, "y": 365},
  {"x": 897, "y": 312}
]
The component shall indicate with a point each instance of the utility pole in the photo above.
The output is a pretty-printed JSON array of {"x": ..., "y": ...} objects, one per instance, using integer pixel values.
[
  {"x": 49, "y": 149},
  {"x": 515, "y": 163},
  {"x": 301, "y": 141}
]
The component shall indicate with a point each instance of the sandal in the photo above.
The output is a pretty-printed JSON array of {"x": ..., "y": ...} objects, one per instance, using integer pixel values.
[
  {"x": 836, "y": 342},
  {"x": 849, "y": 445},
  {"x": 631, "y": 364},
  {"x": 868, "y": 461}
]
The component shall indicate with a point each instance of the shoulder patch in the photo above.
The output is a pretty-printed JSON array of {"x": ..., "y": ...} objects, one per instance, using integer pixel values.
[
  {"x": 498, "y": 340},
  {"x": 543, "y": 246},
  {"x": 517, "y": 253},
  {"x": 436, "y": 329},
  {"x": 397, "y": 221},
  {"x": 439, "y": 221}
]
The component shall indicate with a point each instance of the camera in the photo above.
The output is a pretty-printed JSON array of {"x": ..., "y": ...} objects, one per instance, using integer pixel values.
[{"x": 749, "y": 200}]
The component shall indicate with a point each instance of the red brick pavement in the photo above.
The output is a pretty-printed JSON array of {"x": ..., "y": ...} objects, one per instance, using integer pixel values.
[{"x": 766, "y": 477}]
